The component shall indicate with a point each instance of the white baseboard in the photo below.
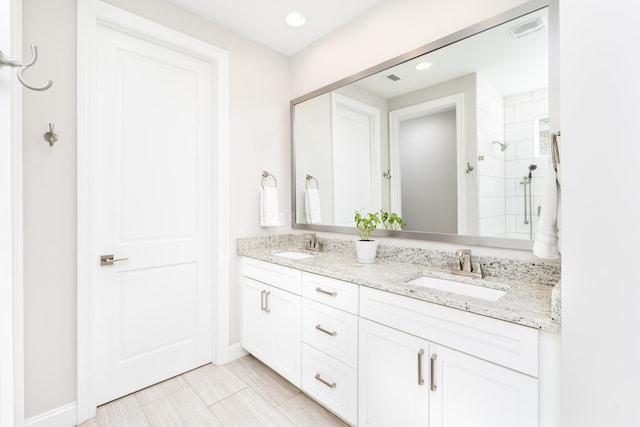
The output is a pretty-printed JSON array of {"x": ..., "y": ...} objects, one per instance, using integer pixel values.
[
  {"x": 64, "y": 416},
  {"x": 236, "y": 351}
]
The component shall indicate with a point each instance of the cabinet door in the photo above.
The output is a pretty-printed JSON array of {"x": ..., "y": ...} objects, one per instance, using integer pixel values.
[
  {"x": 393, "y": 377},
  {"x": 255, "y": 326},
  {"x": 284, "y": 311},
  {"x": 468, "y": 391}
]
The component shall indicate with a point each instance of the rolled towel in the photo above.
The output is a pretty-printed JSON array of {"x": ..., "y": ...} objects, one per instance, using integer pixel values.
[
  {"x": 269, "y": 210},
  {"x": 312, "y": 206},
  {"x": 546, "y": 241}
]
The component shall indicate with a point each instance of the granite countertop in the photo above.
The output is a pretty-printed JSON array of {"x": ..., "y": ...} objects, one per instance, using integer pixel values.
[{"x": 526, "y": 301}]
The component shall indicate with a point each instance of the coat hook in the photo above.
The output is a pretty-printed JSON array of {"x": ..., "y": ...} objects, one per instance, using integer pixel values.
[
  {"x": 5, "y": 61},
  {"x": 50, "y": 137},
  {"x": 469, "y": 167}
]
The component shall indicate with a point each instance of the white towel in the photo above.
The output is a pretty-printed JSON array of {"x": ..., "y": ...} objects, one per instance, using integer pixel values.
[
  {"x": 547, "y": 241},
  {"x": 269, "y": 210},
  {"x": 312, "y": 206}
]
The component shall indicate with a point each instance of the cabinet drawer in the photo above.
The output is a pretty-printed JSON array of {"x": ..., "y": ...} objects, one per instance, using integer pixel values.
[
  {"x": 330, "y": 330},
  {"x": 333, "y": 292},
  {"x": 497, "y": 341},
  {"x": 330, "y": 382},
  {"x": 272, "y": 274}
]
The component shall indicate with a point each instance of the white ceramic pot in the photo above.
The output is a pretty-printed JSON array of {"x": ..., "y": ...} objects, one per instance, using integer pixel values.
[{"x": 366, "y": 251}]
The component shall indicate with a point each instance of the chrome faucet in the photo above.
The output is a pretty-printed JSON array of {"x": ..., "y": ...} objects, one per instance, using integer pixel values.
[
  {"x": 463, "y": 265},
  {"x": 313, "y": 245}
]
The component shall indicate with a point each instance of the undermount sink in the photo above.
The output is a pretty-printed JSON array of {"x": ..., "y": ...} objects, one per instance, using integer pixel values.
[
  {"x": 294, "y": 255},
  {"x": 458, "y": 288}
]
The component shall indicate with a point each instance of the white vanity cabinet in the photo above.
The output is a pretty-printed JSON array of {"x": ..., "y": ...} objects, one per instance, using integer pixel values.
[
  {"x": 330, "y": 344},
  {"x": 409, "y": 372},
  {"x": 380, "y": 359},
  {"x": 271, "y": 316},
  {"x": 393, "y": 382}
]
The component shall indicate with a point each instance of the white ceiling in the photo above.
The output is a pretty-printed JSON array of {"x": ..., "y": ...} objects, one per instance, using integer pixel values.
[
  {"x": 263, "y": 21},
  {"x": 509, "y": 65}
]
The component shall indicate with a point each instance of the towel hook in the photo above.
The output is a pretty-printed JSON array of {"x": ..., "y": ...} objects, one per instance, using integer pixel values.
[
  {"x": 50, "y": 136},
  {"x": 8, "y": 62},
  {"x": 309, "y": 178},
  {"x": 265, "y": 175}
]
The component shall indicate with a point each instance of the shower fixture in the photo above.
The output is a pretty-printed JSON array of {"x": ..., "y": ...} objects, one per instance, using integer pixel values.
[
  {"x": 503, "y": 145},
  {"x": 526, "y": 181}
]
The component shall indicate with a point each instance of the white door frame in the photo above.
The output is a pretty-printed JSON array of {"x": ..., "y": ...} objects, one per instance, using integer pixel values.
[
  {"x": 91, "y": 14},
  {"x": 420, "y": 110},
  {"x": 11, "y": 241}
]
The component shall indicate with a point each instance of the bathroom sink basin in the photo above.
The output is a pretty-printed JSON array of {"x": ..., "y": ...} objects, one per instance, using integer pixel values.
[
  {"x": 294, "y": 255},
  {"x": 458, "y": 288}
]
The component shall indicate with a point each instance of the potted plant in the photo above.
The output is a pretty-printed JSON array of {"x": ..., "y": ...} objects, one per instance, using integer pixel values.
[
  {"x": 391, "y": 221},
  {"x": 366, "y": 248}
]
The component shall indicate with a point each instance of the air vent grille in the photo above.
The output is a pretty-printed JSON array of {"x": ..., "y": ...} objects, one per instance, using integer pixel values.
[{"x": 393, "y": 77}]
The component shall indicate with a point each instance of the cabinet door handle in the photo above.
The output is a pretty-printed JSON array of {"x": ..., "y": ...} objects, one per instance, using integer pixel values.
[
  {"x": 262, "y": 300},
  {"x": 327, "y": 383},
  {"x": 266, "y": 302},
  {"x": 321, "y": 329},
  {"x": 322, "y": 291},
  {"x": 434, "y": 387},
  {"x": 420, "y": 379}
]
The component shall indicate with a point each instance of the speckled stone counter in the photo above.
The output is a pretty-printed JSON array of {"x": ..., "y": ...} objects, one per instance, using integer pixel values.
[{"x": 530, "y": 299}]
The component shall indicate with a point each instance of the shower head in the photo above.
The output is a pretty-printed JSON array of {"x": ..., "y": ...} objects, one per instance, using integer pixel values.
[
  {"x": 503, "y": 145},
  {"x": 532, "y": 168}
]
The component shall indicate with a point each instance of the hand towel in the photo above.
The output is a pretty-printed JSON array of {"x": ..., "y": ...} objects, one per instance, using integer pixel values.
[
  {"x": 547, "y": 241},
  {"x": 312, "y": 206},
  {"x": 269, "y": 210}
]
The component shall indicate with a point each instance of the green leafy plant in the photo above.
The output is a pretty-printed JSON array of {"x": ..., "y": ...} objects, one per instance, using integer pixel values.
[
  {"x": 391, "y": 220},
  {"x": 366, "y": 223}
]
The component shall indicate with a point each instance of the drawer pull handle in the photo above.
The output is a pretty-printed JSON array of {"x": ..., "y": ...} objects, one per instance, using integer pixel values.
[
  {"x": 321, "y": 329},
  {"x": 262, "y": 307},
  {"x": 266, "y": 302},
  {"x": 322, "y": 291},
  {"x": 327, "y": 383},
  {"x": 434, "y": 387},
  {"x": 420, "y": 379}
]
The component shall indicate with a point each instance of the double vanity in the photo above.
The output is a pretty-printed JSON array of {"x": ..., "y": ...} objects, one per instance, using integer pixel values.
[{"x": 404, "y": 341}]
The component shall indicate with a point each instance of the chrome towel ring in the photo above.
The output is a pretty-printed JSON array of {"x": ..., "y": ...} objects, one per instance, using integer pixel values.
[
  {"x": 266, "y": 175},
  {"x": 310, "y": 178}
]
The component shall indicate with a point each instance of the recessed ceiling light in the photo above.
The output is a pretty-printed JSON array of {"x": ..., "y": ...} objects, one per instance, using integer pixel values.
[
  {"x": 423, "y": 65},
  {"x": 296, "y": 19}
]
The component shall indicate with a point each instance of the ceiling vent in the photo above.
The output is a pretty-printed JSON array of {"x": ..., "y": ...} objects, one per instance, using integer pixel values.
[
  {"x": 393, "y": 77},
  {"x": 528, "y": 27}
]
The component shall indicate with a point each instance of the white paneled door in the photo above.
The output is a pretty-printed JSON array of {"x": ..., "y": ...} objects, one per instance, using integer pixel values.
[{"x": 152, "y": 212}]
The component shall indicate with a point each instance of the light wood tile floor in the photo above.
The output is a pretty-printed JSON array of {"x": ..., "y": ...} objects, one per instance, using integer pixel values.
[{"x": 243, "y": 393}]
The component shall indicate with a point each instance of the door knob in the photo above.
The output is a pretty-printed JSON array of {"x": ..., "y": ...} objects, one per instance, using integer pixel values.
[{"x": 108, "y": 260}]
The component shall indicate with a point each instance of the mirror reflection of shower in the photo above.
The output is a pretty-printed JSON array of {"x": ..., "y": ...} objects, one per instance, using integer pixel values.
[
  {"x": 503, "y": 145},
  {"x": 526, "y": 181}
]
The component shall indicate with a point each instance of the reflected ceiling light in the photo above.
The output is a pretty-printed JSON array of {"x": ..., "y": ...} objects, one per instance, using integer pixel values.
[
  {"x": 296, "y": 19},
  {"x": 423, "y": 65}
]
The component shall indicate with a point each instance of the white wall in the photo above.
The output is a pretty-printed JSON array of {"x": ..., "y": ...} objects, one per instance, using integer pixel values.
[
  {"x": 601, "y": 212},
  {"x": 259, "y": 140},
  {"x": 10, "y": 222}
]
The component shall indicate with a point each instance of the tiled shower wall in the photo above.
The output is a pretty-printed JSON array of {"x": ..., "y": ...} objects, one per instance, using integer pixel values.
[
  {"x": 501, "y": 201},
  {"x": 520, "y": 113},
  {"x": 491, "y": 170}
]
